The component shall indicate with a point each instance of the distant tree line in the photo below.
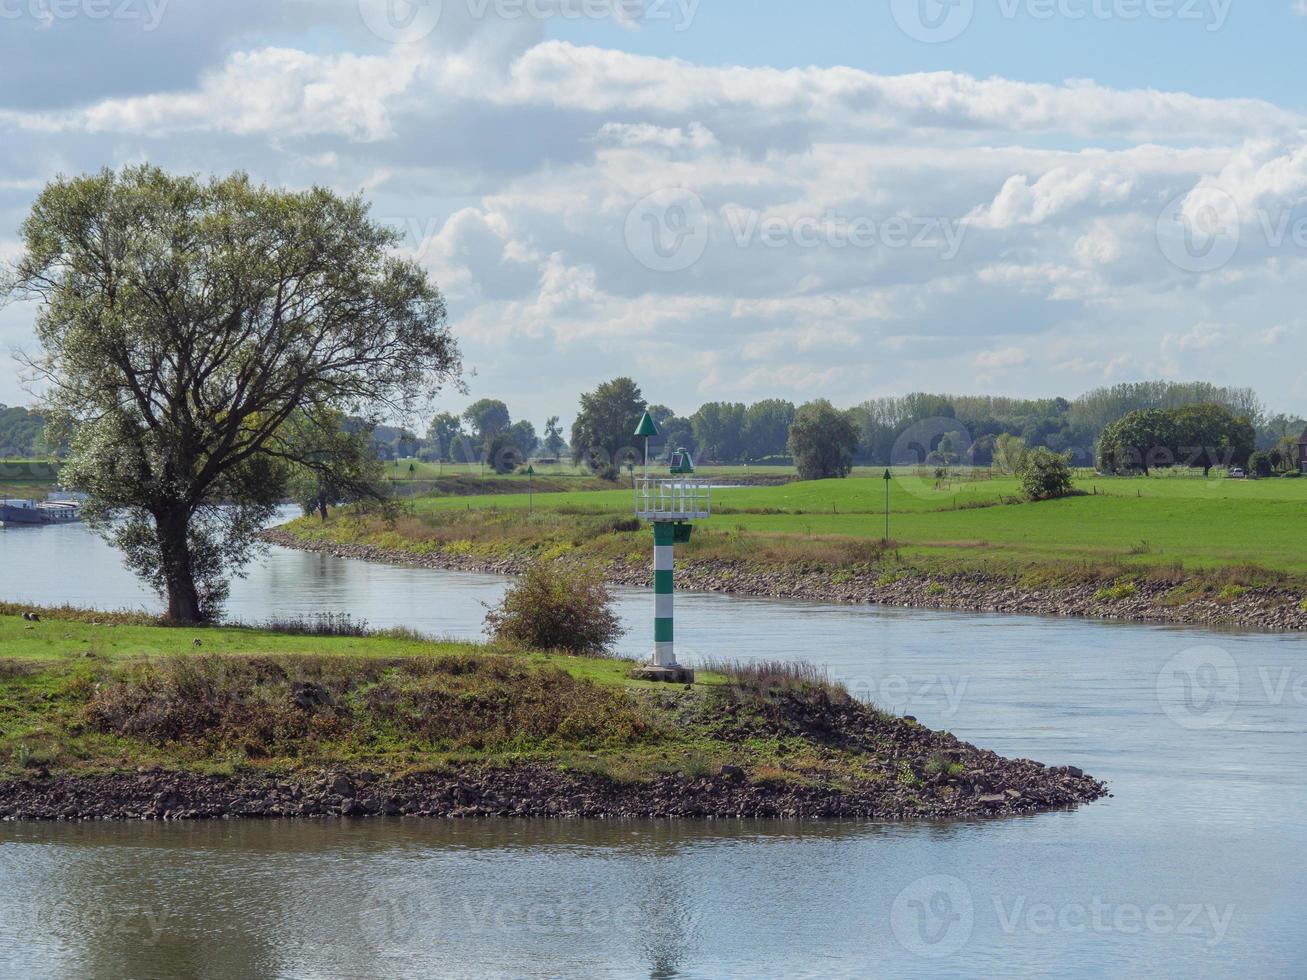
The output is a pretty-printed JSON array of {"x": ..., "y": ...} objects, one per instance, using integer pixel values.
[
  {"x": 22, "y": 433},
  {"x": 919, "y": 428}
]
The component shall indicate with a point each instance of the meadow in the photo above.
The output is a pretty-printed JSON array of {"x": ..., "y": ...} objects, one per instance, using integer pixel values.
[
  {"x": 1162, "y": 521},
  {"x": 86, "y": 693},
  {"x": 27, "y": 478}
]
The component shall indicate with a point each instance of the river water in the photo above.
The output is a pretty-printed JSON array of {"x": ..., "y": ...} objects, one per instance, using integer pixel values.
[{"x": 1193, "y": 868}]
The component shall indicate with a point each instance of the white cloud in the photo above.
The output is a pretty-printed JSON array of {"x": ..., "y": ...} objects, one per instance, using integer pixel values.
[{"x": 510, "y": 165}]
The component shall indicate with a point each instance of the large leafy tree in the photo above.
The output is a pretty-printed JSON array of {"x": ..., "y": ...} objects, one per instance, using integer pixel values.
[
  {"x": 719, "y": 431},
  {"x": 201, "y": 340},
  {"x": 823, "y": 441},
  {"x": 604, "y": 431},
  {"x": 487, "y": 418},
  {"x": 442, "y": 433},
  {"x": 767, "y": 428}
]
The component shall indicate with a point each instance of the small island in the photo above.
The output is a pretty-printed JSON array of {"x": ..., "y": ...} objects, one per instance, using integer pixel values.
[{"x": 116, "y": 717}]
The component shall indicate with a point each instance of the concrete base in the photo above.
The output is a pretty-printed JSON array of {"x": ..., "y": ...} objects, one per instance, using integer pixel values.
[{"x": 664, "y": 675}]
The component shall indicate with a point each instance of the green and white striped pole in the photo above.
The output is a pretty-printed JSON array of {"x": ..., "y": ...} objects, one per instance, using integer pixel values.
[{"x": 664, "y": 559}]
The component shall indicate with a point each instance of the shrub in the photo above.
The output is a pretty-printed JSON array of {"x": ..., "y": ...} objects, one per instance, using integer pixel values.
[
  {"x": 1259, "y": 464},
  {"x": 1123, "y": 589},
  {"x": 1045, "y": 475},
  {"x": 553, "y": 607}
]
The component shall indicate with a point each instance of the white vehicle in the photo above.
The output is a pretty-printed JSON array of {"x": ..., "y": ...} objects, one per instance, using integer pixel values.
[{"x": 1238, "y": 473}]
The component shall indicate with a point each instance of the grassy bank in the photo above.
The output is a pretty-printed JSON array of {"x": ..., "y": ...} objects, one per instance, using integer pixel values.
[
  {"x": 1180, "y": 541},
  {"x": 28, "y": 478},
  {"x": 88, "y": 703}
]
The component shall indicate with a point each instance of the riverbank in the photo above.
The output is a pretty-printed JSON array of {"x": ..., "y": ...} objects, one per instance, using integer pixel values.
[
  {"x": 1241, "y": 598},
  {"x": 104, "y": 718}
]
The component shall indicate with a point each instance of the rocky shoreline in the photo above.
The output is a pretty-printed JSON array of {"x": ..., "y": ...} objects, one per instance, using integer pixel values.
[
  {"x": 1266, "y": 609},
  {"x": 536, "y": 792}
]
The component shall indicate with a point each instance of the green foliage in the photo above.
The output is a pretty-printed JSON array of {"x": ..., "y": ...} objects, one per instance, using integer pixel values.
[
  {"x": 603, "y": 433},
  {"x": 1197, "y": 436},
  {"x": 22, "y": 433},
  {"x": 1044, "y": 475},
  {"x": 486, "y": 418},
  {"x": 719, "y": 432},
  {"x": 554, "y": 607},
  {"x": 1117, "y": 592},
  {"x": 1009, "y": 450},
  {"x": 184, "y": 325},
  {"x": 823, "y": 441},
  {"x": 766, "y": 431},
  {"x": 938, "y": 765},
  {"x": 553, "y": 440},
  {"x": 1259, "y": 464}
]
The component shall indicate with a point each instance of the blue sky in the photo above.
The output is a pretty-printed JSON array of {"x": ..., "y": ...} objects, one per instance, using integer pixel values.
[
  {"x": 740, "y": 200},
  {"x": 1219, "y": 48}
]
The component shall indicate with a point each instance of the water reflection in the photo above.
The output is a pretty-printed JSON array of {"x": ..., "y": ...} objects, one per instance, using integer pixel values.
[{"x": 1207, "y": 816}]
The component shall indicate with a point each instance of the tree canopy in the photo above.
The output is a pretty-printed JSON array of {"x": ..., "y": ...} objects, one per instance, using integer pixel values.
[
  {"x": 823, "y": 441},
  {"x": 604, "y": 431},
  {"x": 201, "y": 339}
]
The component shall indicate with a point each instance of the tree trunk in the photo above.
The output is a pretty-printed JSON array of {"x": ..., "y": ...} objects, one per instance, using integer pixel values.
[
  {"x": 322, "y": 509},
  {"x": 175, "y": 558}
]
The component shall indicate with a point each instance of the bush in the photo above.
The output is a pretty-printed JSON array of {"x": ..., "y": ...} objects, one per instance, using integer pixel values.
[
  {"x": 823, "y": 441},
  {"x": 1045, "y": 475},
  {"x": 553, "y": 607},
  {"x": 1122, "y": 590},
  {"x": 1259, "y": 464}
]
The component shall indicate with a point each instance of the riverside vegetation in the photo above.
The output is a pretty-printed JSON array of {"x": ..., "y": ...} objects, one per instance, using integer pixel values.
[
  {"x": 118, "y": 717},
  {"x": 1165, "y": 548}
]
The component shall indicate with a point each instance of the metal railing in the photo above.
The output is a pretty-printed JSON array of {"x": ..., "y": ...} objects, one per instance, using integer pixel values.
[{"x": 662, "y": 499}]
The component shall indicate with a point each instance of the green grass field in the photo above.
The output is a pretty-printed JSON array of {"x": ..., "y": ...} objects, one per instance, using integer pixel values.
[
  {"x": 1203, "y": 523},
  {"x": 27, "y": 478},
  {"x": 87, "y": 693}
]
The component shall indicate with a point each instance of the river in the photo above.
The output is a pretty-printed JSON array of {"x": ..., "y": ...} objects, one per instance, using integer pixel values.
[{"x": 1193, "y": 868}]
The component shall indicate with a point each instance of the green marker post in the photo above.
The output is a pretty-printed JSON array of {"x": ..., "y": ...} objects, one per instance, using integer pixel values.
[{"x": 888, "y": 478}]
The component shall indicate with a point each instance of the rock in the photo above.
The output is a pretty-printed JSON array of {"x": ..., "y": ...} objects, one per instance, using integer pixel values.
[
  {"x": 733, "y": 773},
  {"x": 308, "y": 697}
]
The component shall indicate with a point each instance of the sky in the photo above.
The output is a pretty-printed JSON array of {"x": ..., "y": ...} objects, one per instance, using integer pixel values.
[{"x": 738, "y": 199}]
